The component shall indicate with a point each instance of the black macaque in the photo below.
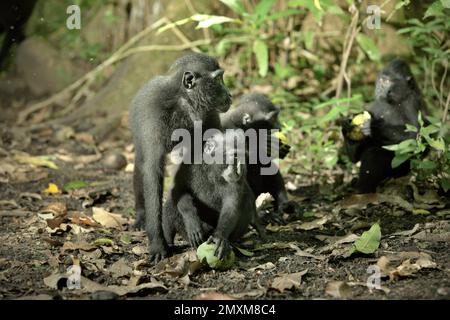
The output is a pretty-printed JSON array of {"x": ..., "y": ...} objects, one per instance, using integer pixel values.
[
  {"x": 193, "y": 90},
  {"x": 398, "y": 101},
  {"x": 211, "y": 199},
  {"x": 13, "y": 16},
  {"x": 256, "y": 111}
]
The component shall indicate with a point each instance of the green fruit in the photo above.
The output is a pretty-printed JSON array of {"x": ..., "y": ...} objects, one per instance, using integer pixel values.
[
  {"x": 358, "y": 122},
  {"x": 205, "y": 253}
]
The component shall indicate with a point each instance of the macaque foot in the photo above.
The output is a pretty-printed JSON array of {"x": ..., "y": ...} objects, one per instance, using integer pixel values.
[
  {"x": 223, "y": 246},
  {"x": 157, "y": 253}
]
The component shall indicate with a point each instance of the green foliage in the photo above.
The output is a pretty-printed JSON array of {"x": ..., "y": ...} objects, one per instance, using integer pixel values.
[
  {"x": 248, "y": 27},
  {"x": 369, "y": 241},
  {"x": 428, "y": 37},
  {"x": 429, "y": 153}
]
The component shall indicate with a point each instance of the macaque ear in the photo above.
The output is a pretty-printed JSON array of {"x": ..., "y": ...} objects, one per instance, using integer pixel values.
[
  {"x": 272, "y": 115},
  {"x": 246, "y": 118},
  {"x": 188, "y": 80}
]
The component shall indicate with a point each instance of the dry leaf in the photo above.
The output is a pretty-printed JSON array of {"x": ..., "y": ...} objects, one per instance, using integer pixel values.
[
  {"x": 213, "y": 295},
  {"x": 179, "y": 265},
  {"x": 338, "y": 289},
  {"x": 288, "y": 281},
  {"x": 265, "y": 266},
  {"x": 404, "y": 264},
  {"x": 120, "y": 268},
  {"x": 108, "y": 220},
  {"x": 318, "y": 223},
  {"x": 139, "y": 250},
  {"x": 82, "y": 245}
]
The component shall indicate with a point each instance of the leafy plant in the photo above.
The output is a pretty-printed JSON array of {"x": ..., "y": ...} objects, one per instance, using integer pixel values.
[
  {"x": 428, "y": 38},
  {"x": 247, "y": 28},
  {"x": 429, "y": 153}
]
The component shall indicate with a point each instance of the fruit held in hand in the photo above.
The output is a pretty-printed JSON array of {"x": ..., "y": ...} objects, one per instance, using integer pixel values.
[
  {"x": 284, "y": 147},
  {"x": 358, "y": 123},
  {"x": 205, "y": 254}
]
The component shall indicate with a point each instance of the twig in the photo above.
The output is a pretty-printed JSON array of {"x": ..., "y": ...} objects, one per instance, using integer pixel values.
[
  {"x": 180, "y": 35},
  {"x": 167, "y": 47},
  {"x": 444, "y": 77},
  {"x": 447, "y": 103},
  {"x": 433, "y": 84},
  {"x": 66, "y": 91},
  {"x": 124, "y": 55},
  {"x": 193, "y": 11},
  {"x": 14, "y": 213},
  {"x": 348, "y": 44}
]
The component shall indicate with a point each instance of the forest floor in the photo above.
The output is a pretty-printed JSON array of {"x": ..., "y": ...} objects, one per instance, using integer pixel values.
[{"x": 83, "y": 220}]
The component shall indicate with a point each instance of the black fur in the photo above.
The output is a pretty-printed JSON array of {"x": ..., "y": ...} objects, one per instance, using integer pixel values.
[
  {"x": 193, "y": 90},
  {"x": 13, "y": 17},
  {"x": 211, "y": 200},
  {"x": 398, "y": 101},
  {"x": 256, "y": 111}
]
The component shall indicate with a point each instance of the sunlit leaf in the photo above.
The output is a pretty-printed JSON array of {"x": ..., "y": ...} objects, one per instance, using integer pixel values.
[
  {"x": 235, "y": 5},
  {"x": 436, "y": 9},
  {"x": 261, "y": 52},
  {"x": 263, "y": 7},
  {"x": 52, "y": 188},
  {"x": 369, "y": 47},
  {"x": 317, "y": 5},
  {"x": 399, "y": 159},
  {"x": 74, "y": 185},
  {"x": 369, "y": 241},
  {"x": 206, "y": 21}
]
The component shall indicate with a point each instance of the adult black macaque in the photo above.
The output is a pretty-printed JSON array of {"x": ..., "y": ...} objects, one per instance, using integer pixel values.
[
  {"x": 211, "y": 199},
  {"x": 193, "y": 90},
  {"x": 13, "y": 16},
  {"x": 398, "y": 101},
  {"x": 256, "y": 111}
]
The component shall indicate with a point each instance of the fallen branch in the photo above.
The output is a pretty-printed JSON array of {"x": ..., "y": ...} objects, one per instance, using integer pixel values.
[
  {"x": 65, "y": 93},
  {"x": 141, "y": 49}
]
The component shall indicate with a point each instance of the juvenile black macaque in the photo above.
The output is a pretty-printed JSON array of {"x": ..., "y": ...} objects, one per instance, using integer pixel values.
[
  {"x": 256, "y": 111},
  {"x": 193, "y": 90},
  {"x": 211, "y": 200},
  {"x": 398, "y": 101}
]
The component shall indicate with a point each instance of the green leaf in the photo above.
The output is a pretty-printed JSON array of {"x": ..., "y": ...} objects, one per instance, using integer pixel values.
[
  {"x": 369, "y": 241},
  {"x": 246, "y": 253},
  {"x": 262, "y": 56},
  {"x": 223, "y": 46},
  {"x": 317, "y": 5},
  {"x": 427, "y": 165},
  {"x": 263, "y": 8},
  {"x": 235, "y": 5},
  {"x": 282, "y": 14},
  {"x": 435, "y": 10},
  {"x": 445, "y": 183},
  {"x": 206, "y": 21},
  {"x": 369, "y": 47},
  {"x": 399, "y": 159},
  {"x": 283, "y": 72},
  {"x": 438, "y": 144},
  {"x": 308, "y": 39},
  {"x": 125, "y": 238},
  {"x": 411, "y": 128},
  {"x": 103, "y": 242},
  {"x": 74, "y": 185}
]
